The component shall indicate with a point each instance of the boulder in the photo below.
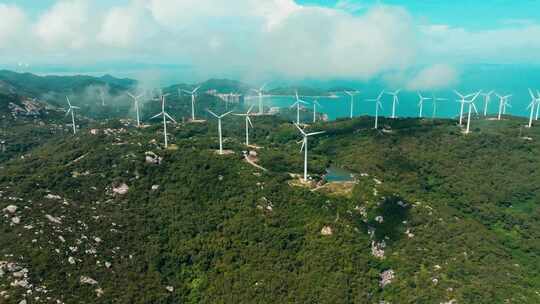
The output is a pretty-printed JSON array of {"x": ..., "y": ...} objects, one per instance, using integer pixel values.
[
  {"x": 10, "y": 209},
  {"x": 327, "y": 230},
  {"x": 88, "y": 280}
]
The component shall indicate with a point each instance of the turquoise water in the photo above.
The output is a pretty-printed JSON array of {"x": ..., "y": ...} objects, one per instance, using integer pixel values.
[
  {"x": 407, "y": 107},
  {"x": 335, "y": 174},
  {"x": 504, "y": 79}
]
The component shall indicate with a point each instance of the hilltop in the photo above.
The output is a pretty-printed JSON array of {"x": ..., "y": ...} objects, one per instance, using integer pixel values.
[{"x": 109, "y": 215}]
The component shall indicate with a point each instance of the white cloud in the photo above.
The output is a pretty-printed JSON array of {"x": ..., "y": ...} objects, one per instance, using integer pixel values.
[
  {"x": 514, "y": 43},
  {"x": 436, "y": 77},
  {"x": 254, "y": 37},
  {"x": 13, "y": 26},
  {"x": 65, "y": 25}
]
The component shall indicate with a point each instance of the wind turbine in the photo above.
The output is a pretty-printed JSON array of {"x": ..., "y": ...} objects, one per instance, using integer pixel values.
[
  {"x": 192, "y": 93},
  {"x": 538, "y": 105},
  {"x": 395, "y": 101},
  {"x": 305, "y": 146},
  {"x": 463, "y": 100},
  {"x": 315, "y": 104},
  {"x": 487, "y": 100},
  {"x": 136, "y": 102},
  {"x": 248, "y": 123},
  {"x": 219, "y": 117},
  {"x": 297, "y": 104},
  {"x": 472, "y": 107},
  {"x": 435, "y": 99},
  {"x": 71, "y": 110},
  {"x": 165, "y": 116},
  {"x": 421, "y": 103},
  {"x": 534, "y": 102},
  {"x": 378, "y": 105},
  {"x": 260, "y": 93},
  {"x": 102, "y": 96},
  {"x": 351, "y": 94},
  {"x": 503, "y": 102}
]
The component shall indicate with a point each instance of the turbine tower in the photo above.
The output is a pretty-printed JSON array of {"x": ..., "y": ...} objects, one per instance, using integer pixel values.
[
  {"x": 260, "y": 93},
  {"x": 537, "y": 105},
  {"x": 165, "y": 116},
  {"x": 192, "y": 93},
  {"x": 305, "y": 146},
  {"x": 435, "y": 99},
  {"x": 248, "y": 123},
  {"x": 472, "y": 107},
  {"x": 71, "y": 110},
  {"x": 463, "y": 101},
  {"x": 378, "y": 105},
  {"x": 487, "y": 100},
  {"x": 297, "y": 104},
  {"x": 534, "y": 103},
  {"x": 395, "y": 101},
  {"x": 503, "y": 102},
  {"x": 136, "y": 102},
  {"x": 421, "y": 103},
  {"x": 219, "y": 117},
  {"x": 351, "y": 94},
  {"x": 315, "y": 104},
  {"x": 102, "y": 96}
]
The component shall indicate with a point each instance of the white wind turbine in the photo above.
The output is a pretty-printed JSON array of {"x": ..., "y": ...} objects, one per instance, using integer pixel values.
[
  {"x": 378, "y": 105},
  {"x": 395, "y": 101},
  {"x": 487, "y": 100},
  {"x": 248, "y": 123},
  {"x": 192, "y": 93},
  {"x": 305, "y": 146},
  {"x": 352, "y": 94},
  {"x": 71, "y": 110},
  {"x": 435, "y": 99},
  {"x": 102, "y": 96},
  {"x": 315, "y": 104},
  {"x": 421, "y": 103},
  {"x": 297, "y": 104},
  {"x": 472, "y": 107},
  {"x": 534, "y": 103},
  {"x": 463, "y": 100},
  {"x": 537, "y": 105},
  {"x": 260, "y": 92},
  {"x": 219, "y": 117},
  {"x": 503, "y": 102},
  {"x": 165, "y": 116},
  {"x": 136, "y": 102}
]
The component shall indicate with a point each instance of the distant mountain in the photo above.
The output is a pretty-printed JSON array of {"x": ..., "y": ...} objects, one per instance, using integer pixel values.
[
  {"x": 220, "y": 85},
  {"x": 34, "y": 85}
]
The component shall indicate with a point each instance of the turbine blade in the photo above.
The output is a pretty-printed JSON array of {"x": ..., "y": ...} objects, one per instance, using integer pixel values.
[
  {"x": 303, "y": 145},
  {"x": 250, "y": 108},
  {"x": 249, "y": 121},
  {"x": 315, "y": 133},
  {"x": 300, "y": 129},
  {"x": 223, "y": 115},
  {"x": 156, "y": 116},
  {"x": 214, "y": 114},
  {"x": 169, "y": 117}
]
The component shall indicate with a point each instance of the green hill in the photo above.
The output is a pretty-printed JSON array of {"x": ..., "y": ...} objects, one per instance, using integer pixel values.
[{"x": 100, "y": 218}]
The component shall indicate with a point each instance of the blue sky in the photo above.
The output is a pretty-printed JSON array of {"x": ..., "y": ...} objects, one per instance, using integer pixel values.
[
  {"x": 473, "y": 14},
  {"x": 416, "y": 44}
]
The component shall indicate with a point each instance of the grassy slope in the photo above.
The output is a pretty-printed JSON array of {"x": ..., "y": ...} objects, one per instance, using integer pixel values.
[{"x": 208, "y": 230}]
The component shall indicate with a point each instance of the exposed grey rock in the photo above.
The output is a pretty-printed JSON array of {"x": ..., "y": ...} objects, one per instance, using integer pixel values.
[
  {"x": 10, "y": 209},
  {"x": 387, "y": 277},
  {"x": 88, "y": 280},
  {"x": 327, "y": 230}
]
